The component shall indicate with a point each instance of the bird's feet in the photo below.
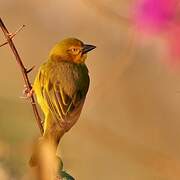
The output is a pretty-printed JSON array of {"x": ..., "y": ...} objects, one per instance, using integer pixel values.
[{"x": 27, "y": 93}]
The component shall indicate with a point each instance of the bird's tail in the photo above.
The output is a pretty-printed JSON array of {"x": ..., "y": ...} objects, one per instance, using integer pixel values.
[
  {"x": 34, "y": 157},
  {"x": 44, "y": 152}
]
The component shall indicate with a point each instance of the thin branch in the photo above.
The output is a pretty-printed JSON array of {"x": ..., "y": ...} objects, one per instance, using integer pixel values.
[
  {"x": 23, "y": 70},
  {"x": 29, "y": 70},
  {"x": 13, "y": 35}
]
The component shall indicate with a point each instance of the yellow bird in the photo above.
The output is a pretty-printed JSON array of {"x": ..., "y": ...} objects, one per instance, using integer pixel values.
[{"x": 60, "y": 87}]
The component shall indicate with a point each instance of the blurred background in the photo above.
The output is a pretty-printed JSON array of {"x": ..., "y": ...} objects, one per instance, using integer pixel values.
[{"x": 129, "y": 127}]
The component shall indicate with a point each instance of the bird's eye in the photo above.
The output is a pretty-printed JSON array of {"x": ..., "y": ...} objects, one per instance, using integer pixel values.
[{"x": 75, "y": 50}]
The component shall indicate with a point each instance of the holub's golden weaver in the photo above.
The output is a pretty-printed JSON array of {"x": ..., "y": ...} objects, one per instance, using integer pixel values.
[{"x": 61, "y": 86}]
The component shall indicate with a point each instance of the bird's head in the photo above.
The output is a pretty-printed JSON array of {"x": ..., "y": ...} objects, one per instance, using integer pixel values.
[{"x": 71, "y": 49}]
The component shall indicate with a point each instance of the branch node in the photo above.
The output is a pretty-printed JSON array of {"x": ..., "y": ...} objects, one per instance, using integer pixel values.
[
  {"x": 12, "y": 35},
  {"x": 29, "y": 70}
]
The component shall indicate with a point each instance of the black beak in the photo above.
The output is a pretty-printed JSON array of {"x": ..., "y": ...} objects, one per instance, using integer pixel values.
[{"x": 88, "y": 48}]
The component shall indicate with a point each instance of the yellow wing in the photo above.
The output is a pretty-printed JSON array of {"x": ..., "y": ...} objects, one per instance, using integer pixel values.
[{"x": 52, "y": 99}]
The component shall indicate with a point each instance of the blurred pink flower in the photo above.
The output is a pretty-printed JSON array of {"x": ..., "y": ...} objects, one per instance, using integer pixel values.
[
  {"x": 162, "y": 18},
  {"x": 154, "y": 15},
  {"x": 173, "y": 43}
]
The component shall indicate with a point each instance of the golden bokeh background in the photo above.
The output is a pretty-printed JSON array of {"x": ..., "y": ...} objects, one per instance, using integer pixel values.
[{"x": 129, "y": 127}]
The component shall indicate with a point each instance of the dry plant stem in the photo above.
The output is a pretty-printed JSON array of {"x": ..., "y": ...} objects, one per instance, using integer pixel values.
[
  {"x": 12, "y": 35},
  {"x": 23, "y": 70}
]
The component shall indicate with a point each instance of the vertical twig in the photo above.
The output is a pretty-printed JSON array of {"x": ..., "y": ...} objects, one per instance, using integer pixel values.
[{"x": 24, "y": 72}]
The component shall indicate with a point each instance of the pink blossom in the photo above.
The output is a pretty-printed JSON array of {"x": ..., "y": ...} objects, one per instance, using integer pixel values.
[
  {"x": 172, "y": 38},
  {"x": 162, "y": 18},
  {"x": 154, "y": 15}
]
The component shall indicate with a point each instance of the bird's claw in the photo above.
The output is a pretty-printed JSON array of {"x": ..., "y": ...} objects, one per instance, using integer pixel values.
[{"x": 27, "y": 93}]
